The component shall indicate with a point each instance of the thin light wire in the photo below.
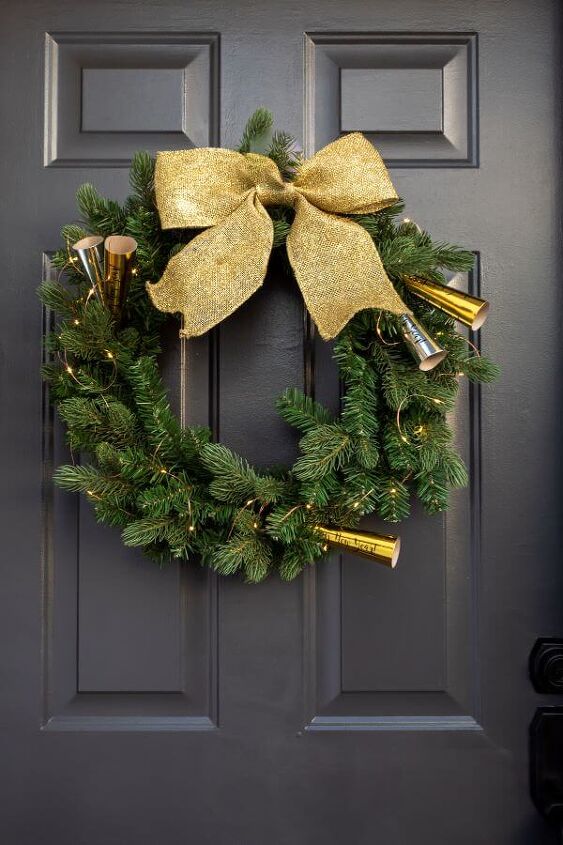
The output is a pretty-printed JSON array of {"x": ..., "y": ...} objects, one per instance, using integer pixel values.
[
  {"x": 404, "y": 437},
  {"x": 62, "y": 356},
  {"x": 359, "y": 501},
  {"x": 248, "y": 504},
  {"x": 380, "y": 336}
]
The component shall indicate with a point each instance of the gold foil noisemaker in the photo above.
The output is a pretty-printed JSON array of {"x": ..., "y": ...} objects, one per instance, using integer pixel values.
[
  {"x": 467, "y": 309},
  {"x": 119, "y": 265},
  {"x": 335, "y": 261},
  {"x": 379, "y": 547}
]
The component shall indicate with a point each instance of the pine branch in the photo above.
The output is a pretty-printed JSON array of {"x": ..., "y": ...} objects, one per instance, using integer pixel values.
[
  {"x": 104, "y": 217},
  {"x": 322, "y": 491},
  {"x": 393, "y": 499},
  {"x": 247, "y": 552},
  {"x": 151, "y": 530},
  {"x": 91, "y": 420},
  {"x": 301, "y": 411},
  {"x": 480, "y": 369},
  {"x": 56, "y": 297},
  {"x": 88, "y": 479},
  {"x": 325, "y": 448},
  {"x": 257, "y": 127},
  {"x": 92, "y": 336},
  {"x": 70, "y": 234},
  {"x": 172, "y": 444},
  {"x": 141, "y": 178},
  {"x": 282, "y": 151},
  {"x": 235, "y": 481},
  {"x": 297, "y": 556}
]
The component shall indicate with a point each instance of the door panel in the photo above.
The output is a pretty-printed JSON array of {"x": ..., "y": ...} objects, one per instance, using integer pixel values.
[
  {"x": 414, "y": 94},
  {"x": 108, "y": 94},
  {"x": 125, "y": 644},
  {"x": 355, "y": 704}
]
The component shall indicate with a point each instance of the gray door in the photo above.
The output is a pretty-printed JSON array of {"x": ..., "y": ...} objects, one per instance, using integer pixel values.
[{"x": 355, "y": 705}]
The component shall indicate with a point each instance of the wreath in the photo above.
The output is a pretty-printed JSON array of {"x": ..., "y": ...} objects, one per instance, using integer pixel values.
[{"x": 372, "y": 281}]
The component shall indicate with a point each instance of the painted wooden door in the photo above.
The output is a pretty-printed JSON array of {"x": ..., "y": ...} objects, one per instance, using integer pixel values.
[{"x": 354, "y": 705}]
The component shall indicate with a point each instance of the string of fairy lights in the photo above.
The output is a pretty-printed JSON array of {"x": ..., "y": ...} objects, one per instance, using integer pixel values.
[{"x": 85, "y": 259}]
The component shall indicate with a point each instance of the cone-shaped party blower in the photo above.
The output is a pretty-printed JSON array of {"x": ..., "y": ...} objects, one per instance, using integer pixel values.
[
  {"x": 425, "y": 350},
  {"x": 379, "y": 547},
  {"x": 90, "y": 253},
  {"x": 469, "y": 310},
  {"x": 119, "y": 255}
]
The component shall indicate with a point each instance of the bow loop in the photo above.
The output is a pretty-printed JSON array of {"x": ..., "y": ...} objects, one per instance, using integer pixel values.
[
  {"x": 347, "y": 177},
  {"x": 201, "y": 187},
  {"x": 335, "y": 262}
]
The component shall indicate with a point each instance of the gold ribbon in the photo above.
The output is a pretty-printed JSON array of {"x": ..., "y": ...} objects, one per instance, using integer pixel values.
[{"x": 335, "y": 262}]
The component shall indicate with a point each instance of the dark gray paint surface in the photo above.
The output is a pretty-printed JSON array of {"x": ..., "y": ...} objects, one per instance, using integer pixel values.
[
  {"x": 115, "y": 99},
  {"x": 404, "y": 99},
  {"x": 354, "y": 705}
]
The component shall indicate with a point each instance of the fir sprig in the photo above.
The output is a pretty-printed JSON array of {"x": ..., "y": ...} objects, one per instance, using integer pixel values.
[{"x": 256, "y": 129}]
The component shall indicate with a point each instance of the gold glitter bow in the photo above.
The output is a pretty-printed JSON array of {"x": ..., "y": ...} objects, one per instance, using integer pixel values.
[{"x": 335, "y": 262}]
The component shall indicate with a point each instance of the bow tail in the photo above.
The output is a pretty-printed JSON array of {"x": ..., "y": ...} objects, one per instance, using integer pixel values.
[
  {"x": 218, "y": 270},
  {"x": 337, "y": 268}
]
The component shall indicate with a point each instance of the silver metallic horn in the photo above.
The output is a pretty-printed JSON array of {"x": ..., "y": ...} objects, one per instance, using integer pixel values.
[{"x": 423, "y": 348}]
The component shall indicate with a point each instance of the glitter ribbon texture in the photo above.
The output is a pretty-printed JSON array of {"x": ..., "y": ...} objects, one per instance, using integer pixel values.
[{"x": 335, "y": 262}]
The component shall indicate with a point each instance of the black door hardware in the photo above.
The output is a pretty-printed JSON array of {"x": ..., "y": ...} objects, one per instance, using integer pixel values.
[
  {"x": 546, "y": 763},
  {"x": 546, "y": 665}
]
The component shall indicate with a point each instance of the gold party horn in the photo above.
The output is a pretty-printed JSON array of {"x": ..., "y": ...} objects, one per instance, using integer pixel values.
[
  {"x": 379, "y": 547},
  {"x": 469, "y": 310},
  {"x": 119, "y": 262},
  {"x": 90, "y": 253},
  {"x": 424, "y": 349}
]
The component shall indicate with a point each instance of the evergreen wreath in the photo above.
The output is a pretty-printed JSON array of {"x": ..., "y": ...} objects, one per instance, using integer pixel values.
[{"x": 174, "y": 492}]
